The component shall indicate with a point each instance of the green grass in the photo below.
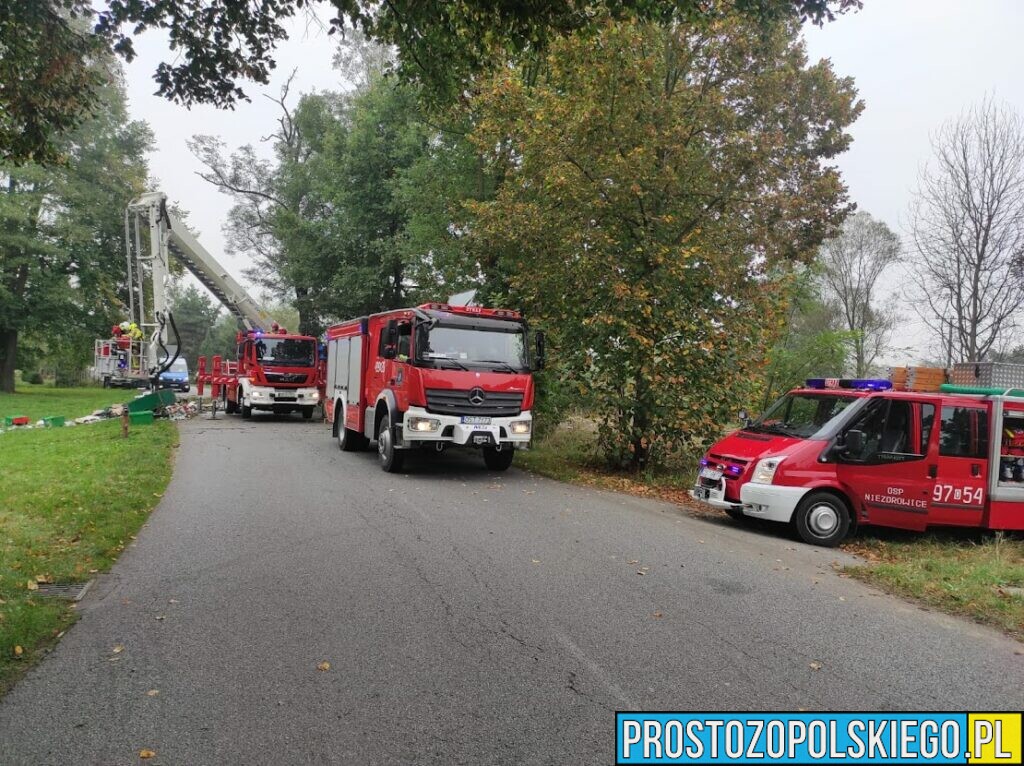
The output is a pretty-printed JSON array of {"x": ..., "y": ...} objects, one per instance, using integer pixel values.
[
  {"x": 960, "y": 572},
  {"x": 41, "y": 401},
  {"x": 967, "y": 573},
  {"x": 70, "y": 500}
]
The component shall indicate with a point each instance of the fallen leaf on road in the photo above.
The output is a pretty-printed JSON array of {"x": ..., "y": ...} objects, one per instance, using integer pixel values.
[
  {"x": 32, "y": 585},
  {"x": 160, "y": 617},
  {"x": 657, "y": 615},
  {"x": 701, "y": 542},
  {"x": 641, "y": 572},
  {"x": 118, "y": 648},
  {"x": 324, "y": 666},
  {"x": 152, "y": 692},
  {"x": 634, "y": 561},
  {"x": 535, "y": 561},
  {"x": 18, "y": 651},
  {"x": 815, "y": 665},
  {"x": 172, "y": 601},
  {"x": 146, "y": 753},
  {"x": 842, "y": 598}
]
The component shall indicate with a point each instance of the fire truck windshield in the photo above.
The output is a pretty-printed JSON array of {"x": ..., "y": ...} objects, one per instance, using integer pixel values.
[
  {"x": 292, "y": 352},
  {"x": 495, "y": 348},
  {"x": 801, "y": 415}
]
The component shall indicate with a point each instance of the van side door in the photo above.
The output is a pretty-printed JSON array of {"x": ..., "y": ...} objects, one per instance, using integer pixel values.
[
  {"x": 888, "y": 479},
  {"x": 961, "y": 463}
]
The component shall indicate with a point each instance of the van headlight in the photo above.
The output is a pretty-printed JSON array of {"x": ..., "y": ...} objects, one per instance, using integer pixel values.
[
  {"x": 764, "y": 471},
  {"x": 422, "y": 424},
  {"x": 519, "y": 427}
]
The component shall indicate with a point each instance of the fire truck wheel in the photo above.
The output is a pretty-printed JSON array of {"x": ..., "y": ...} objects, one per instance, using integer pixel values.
[
  {"x": 307, "y": 413},
  {"x": 498, "y": 461},
  {"x": 822, "y": 519},
  {"x": 246, "y": 410},
  {"x": 390, "y": 459}
]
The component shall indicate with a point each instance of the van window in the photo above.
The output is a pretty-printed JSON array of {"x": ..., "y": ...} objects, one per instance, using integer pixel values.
[
  {"x": 927, "y": 425},
  {"x": 888, "y": 427},
  {"x": 964, "y": 432}
]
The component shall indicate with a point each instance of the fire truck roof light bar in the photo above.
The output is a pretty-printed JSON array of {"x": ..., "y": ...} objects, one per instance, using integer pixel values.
[
  {"x": 472, "y": 310},
  {"x": 858, "y": 384}
]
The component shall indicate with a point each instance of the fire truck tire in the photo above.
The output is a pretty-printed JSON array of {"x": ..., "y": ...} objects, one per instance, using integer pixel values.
[
  {"x": 246, "y": 409},
  {"x": 498, "y": 461},
  {"x": 391, "y": 459},
  {"x": 307, "y": 413},
  {"x": 823, "y": 518}
]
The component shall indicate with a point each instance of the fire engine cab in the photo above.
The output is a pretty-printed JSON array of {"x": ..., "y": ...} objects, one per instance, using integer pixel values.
[
  {"x": 432, "y": 377},
  {"x": 839, "y": 453}
]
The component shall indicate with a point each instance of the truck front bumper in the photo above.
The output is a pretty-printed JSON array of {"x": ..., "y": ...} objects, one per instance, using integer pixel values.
[
  {"x": 768, "y": 501},
  {"x": 420, "y": 426},
  {"x": 267, "y": 398}
]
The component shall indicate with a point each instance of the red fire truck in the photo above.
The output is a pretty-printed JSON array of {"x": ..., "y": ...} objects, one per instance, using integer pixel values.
[
  {"x": 840, "y": 453},
  {"x": 275, "y": 371},
  {"x": 432, "y": 377}
]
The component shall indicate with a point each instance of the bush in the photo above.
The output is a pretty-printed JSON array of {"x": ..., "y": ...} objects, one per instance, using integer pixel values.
[{"x": 36, "y": 379}]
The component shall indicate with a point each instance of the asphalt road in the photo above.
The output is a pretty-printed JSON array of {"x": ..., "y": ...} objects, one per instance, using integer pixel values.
[{"x": 467, "y": 616}]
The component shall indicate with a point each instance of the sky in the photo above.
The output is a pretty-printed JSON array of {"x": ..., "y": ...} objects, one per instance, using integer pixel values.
[{"x": 916, "y": 64}]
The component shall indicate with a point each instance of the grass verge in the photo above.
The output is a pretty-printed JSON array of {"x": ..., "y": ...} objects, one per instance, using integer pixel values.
[
  {"x": 70, "y": 500},
  {"x": 42, "y": 401},
  {"x": 970, "y": 573}
]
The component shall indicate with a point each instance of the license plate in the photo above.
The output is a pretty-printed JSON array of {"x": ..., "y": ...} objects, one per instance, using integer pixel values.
[
  {"x": 476, "y": 420},
  {"x": 711, "y": 474},
  {"x": 701, "y": 493}
]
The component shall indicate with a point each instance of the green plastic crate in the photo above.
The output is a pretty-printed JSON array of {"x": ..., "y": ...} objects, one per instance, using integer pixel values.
[
  {"x": 142, "y": 418},
  {"x": 152, "y": 401},
  {"x": 9, "y": 419},
  {"x": 56, "y": 421}
]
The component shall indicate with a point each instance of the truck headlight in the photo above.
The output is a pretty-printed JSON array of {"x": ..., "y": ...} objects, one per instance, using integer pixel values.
[
  {"x": 314, "y": 396},
  {"x": 422, "y": 424},
  {"x": 764, "y": 471},
  {"x": 519, "y": 427}
]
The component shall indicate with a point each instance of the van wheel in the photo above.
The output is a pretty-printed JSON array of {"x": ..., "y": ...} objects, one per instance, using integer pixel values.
[
  {"x": 391, "y": 459},
  {"x": 822, "y": 519},
  {"x": 498, "y": 460}
]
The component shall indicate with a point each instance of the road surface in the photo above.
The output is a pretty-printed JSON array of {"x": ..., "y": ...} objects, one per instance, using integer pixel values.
[{"x": 467, "y": 616}]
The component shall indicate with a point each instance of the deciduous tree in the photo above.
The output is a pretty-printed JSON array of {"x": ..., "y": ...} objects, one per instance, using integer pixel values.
[
  {"x": 967, "y": 223},
  {"x": 853, "y": 263},
  {"x": 658, "y": 180}
]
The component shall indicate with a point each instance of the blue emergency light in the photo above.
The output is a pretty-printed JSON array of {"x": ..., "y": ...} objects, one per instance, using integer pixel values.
[{"x": 859, "y": 384}]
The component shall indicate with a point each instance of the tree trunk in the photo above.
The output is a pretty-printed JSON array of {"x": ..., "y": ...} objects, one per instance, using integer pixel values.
[{"x": 8, "y": 353}]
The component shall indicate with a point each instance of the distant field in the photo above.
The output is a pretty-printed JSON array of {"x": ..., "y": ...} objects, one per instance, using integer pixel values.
[
  {"x": 70, "y": 501},
  {"x": 41, "y": 401}
]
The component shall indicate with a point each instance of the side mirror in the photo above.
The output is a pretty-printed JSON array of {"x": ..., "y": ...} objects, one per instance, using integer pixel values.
[
  {"x": 744, "y": 417},
  {"x": 391, "y": 333},
  {"x": 538, "y": 358},
  {"x": 390, "y": 352},
  {"x": 854, "y": 442}
]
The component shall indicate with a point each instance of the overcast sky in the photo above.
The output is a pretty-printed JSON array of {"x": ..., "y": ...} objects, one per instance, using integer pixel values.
[{"x": 916, "y": 63}]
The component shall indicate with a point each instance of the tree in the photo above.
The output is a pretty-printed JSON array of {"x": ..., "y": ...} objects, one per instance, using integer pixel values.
[
  {"x": 813, "y": 343},
  {"x": 62, "y": 257},
  {"x": 48, "y": 84},
  {"x": 658, "y": 180},
  {"x": 44, "y": 52},
  {"x": 967, "y": 223},
  {"x": 852, "y": 264}
]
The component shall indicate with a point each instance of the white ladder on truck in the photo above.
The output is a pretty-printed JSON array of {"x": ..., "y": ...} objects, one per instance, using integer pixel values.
[{"x": 169, "y": 237}]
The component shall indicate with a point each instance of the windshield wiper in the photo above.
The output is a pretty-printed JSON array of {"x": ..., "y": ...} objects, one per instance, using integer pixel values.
[
  {"x": 503, "y": 365},
  {"x": 459, "y": 365},
  {"x": 770, "y": 429}
]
